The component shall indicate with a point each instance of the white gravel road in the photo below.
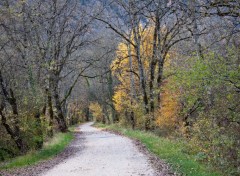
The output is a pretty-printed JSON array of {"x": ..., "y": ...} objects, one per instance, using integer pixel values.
[{"x": 104, "y": 154}]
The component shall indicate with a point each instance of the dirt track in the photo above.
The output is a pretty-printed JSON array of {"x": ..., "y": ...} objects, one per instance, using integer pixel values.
[
  {"x": 98, "y": 153},
  {"x": 104, "y": 154}
]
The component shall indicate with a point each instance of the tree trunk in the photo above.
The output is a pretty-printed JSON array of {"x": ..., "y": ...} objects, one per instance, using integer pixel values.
[
  {"x": 141, "y": 69},
  {"x": 15, "y": 132},
  {"x": 105, "y": 114},
  {"x": 50, "y": 113},
  {"x": 59, "y": 114},
  {"x": 87, "y": 114},
  {"x": 156, "y": 42},
  {"x": 159, "y": 80},
  {"x": 137, "y": 39},
  {"x": 195, "y": 10},
  {"x": 103, "y": 119},
  {"x": 15, "y": 136},
  {"x": 111, "y": 93},
  {"x": 39, "y": 133},
  {"x": 132, "y": 118},
  {"x": 132, "y": 87}
]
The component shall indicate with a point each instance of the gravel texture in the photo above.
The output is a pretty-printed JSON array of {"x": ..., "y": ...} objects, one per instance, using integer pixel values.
[{"x": 99, "y": 153}]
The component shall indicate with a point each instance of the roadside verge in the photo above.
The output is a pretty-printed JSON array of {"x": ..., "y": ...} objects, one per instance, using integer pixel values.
[{"x": 59, "y": 148}]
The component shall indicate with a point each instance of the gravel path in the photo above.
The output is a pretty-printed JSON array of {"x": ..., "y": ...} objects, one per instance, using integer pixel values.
[
  {"x": 105, "y": 154},
  {"x": 98, "y": 153}
]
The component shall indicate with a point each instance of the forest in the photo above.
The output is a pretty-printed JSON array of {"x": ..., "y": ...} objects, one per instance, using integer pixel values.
[{"x": 169, "y": 67}]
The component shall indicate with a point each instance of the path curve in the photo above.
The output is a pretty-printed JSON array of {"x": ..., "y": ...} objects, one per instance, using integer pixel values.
[{"x": 104, "y": 154}]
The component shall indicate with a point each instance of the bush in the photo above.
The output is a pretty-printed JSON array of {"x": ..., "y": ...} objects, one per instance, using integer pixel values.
[{"x": 215, "y": 144}]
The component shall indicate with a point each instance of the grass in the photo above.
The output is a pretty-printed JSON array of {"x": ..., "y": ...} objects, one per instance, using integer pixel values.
[
  {"x": 168, "y": 150},
  {"x": 57, "y": 144}
]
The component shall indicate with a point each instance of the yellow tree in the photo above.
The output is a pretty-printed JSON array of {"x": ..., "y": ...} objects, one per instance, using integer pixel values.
[
  {"x": 97, "y": 111},
  {"x": 128, "y": 94}
]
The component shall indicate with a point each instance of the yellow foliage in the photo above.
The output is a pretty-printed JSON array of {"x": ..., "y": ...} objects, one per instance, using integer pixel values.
[
  {"x": 96, "y": 110},
  {"x": 167, "y": 116},
  {"x": 123, "y": 100},
  {"x": 121, "y": 69}
]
